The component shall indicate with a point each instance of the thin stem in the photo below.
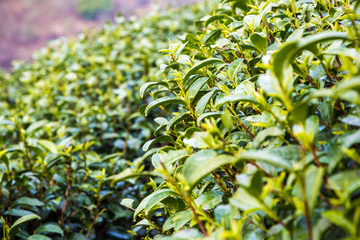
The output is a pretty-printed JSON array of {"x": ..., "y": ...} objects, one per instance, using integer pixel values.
[
  {"x": 307, "y": 211},
  {"x": 311, "y": 81},
  {"x": 185, "y": 197},
  {"x": 242, "y": 55},
  {"x": 27, "y": 156},
  {"x": 68, "y": 174},
  {"x": 324, "y": 124},
  {"x": 202, "y": 228},
  {"x": 316, "y": 158},
  {"x": 222, "y": 186},
  {"x": 232, "y": 179},
  {"x": 241, "y": 123}
]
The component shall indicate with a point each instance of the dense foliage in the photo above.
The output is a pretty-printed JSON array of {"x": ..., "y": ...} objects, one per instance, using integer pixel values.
[
  {"x": 263, "y": 128},
  {"x": 249, "y": 127},
  {"x": 69, "y": 121}
]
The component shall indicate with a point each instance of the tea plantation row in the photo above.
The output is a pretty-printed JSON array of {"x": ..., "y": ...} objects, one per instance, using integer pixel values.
[{"x": 69, "y": 121}]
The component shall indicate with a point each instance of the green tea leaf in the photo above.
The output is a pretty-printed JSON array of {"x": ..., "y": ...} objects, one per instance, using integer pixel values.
[
  {"x": 162, "y": 102},
  {"x": 148, "y": 85},
  {"x": 203, "y": 102},
  {"x": 234, "y": 98},
  {"x": 174, "y": 156},
  {"x": 29, "y": 202},
  {"x": 208, "y": 115},
  {"x": 145, "y": 201},
  {"x": 209, "y": 200},
  {"x": 38, "y": 237},
  {"x": 202, "y": 164},
  {"x": 151, "y": 143},
  {"x": 176, "y": 120},
  {"x": 178, "y": 220},
  {"x": 196, "y": 86},
  {"x": 216, "y": 18},
  {"x": 15, "y": 228},
  {"x": 259, "y": 42},
  {"x": 265, "y": 156},
  {"x": 50, "y": 146},
  {"x": 262, "y": 135},
  {"x": 156, "y": 198},
  {"x": 338, "y": 219},
  {"x": 4, "y": 158},
  {"x": 200, "y": 65},
  {"x": 50, "y": 228},
  {"x": 36, "y": 126}
]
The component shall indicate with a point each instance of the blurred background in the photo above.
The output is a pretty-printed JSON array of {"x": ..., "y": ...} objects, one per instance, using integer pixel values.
[{"x": 27, "y": 25}]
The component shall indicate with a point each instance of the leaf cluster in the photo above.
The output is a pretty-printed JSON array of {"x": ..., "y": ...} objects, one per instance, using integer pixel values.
[{"x": 261, "y": 138}]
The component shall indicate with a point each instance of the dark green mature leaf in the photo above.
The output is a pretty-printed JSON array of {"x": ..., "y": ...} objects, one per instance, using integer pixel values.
[
  {"x": 156, "y": 198},
  {"x": 152, "y": 198},
  {"x": 262, "y": 135},
  {"x": 208, "y": 115},
  {"x": 178, "y": 220},
  {"x": 77, "y": 236},
  {"x": 289, "y": 51},
  {"x": 203, "y": 102},
  {"x": 174, "y": 156},
  {"x": 216, "y": 18},
  {"x": 295, "y": 36},
  {"x": 15, "y": 228},
  {"x": 245, "y": 201},
  {"x": 196, "y": 87},
  {"x": 176, "y": 120},
  {"x": 202, "y": 164},
  {"x": 151, "y": 143},
  {"x": 260, "y": 42},
  {"x": 351, "y": 139},
  {"x": 50, "y": 228},
  {"x": 38, "y": 237},
  {"x": 18, "y": 212},
  {"x": 162, "y": 102},
  {"x": 148, "y": 85},
  {"x": 29, "y": 201},
  {"x": 265, "y": 156},
  {"x": 212, "y": 35},
  {"x": 200, "y": 65},
  {"x": 209, "y": 200},
  {"x": 234, "y": 98}
]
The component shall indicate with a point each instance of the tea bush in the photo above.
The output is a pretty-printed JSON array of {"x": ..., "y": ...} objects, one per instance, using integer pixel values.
[
  {"x": 262, "y": 135},
  {"x": 69, "y": 124}
]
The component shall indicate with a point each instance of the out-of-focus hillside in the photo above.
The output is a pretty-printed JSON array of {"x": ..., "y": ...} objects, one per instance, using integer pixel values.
[{"x": 26, "y": 25}]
